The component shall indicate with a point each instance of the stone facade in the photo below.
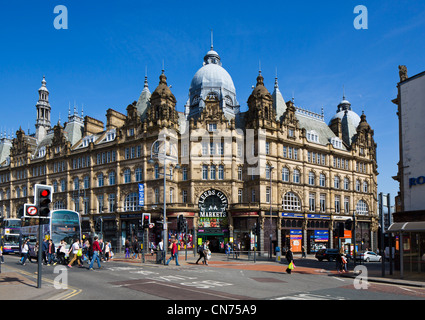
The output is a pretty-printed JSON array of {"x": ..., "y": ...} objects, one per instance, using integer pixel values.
[{"x": 276, "y": 165}]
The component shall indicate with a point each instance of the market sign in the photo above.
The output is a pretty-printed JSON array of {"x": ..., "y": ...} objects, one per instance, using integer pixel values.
[{"x": 212, "y": 209}]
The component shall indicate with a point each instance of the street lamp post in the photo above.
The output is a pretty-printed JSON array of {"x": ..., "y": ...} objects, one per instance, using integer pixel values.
[
  {"x": 157, "y": 154},
  {"x": 271, "y": 224}
]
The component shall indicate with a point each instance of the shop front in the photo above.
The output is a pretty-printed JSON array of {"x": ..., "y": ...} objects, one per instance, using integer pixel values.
[
  {"x": 213, "y": 222},
  {"x": 243, "y": 224},
  {"x": 317, "y": 232},
  {"x": 292, "y": 231}
]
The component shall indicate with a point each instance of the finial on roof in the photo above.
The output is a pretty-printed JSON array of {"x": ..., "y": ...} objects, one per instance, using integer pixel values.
[
  {"x": 343, "y": 92},
  {"x": 276, "y": 85},
  {"x": 146, "y": 78},
  {"x": 212, "y": 40}
]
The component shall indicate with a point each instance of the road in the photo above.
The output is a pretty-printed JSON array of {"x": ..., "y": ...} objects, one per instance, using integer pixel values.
[{"x": 220, "y": 281}]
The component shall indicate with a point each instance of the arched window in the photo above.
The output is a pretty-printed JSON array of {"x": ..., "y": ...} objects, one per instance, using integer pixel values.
[
  {"x": 285, "y": 174},
  {"x": 127, "y": 176},
  {"x": 365, "y": 186},
  {"x": 322, "y": 180},
  {"x": 111, "y": 178},
  {"x": 131, "y": 202},
  {"x": 346, "y": 184},
  {"x": 336, "y": 182},
  {"x": 291, "y": 202},
  {"x": 311, "y": 178},
  {"x": 296, "y": 176},
  {"x": 139, "y": 174},
  {"x": 59, "y": 205},
  {"x": 362, "y": 208}
]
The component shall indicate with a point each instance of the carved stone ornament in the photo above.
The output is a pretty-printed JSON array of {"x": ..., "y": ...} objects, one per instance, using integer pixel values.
[{"x": 402, "y": 73}]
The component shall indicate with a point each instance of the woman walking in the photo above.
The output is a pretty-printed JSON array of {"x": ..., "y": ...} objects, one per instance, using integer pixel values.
[
  {"x": 290, "y": 259},
  {"x": 24, "y": 250}
]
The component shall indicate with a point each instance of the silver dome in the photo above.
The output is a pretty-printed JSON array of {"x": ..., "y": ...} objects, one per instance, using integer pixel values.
[
  {"x": 212, "y": 76},
  {"x": 212, "y": 80}
]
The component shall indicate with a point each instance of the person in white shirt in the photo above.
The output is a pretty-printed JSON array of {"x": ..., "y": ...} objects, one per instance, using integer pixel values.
[
  {"x": 75, "y": 248},
  {"x": 24, "y": 250}
]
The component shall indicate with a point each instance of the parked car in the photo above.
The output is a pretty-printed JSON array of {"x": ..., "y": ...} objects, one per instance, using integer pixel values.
[
  {"x": 368, "y": 256},
  {"x": 327, "y": 254}
]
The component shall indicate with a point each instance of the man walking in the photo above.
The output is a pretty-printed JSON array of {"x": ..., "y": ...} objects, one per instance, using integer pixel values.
[{"x": 96, "y": 252}]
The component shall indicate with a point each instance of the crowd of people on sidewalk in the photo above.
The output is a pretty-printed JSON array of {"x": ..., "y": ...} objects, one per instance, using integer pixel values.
[{"x": 79, "y": 252}]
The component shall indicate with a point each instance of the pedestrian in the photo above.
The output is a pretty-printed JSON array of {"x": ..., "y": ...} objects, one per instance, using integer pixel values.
[
  {"x": 303, "y": 255},
  {"x": 107, "y": 251},
  {"x": 127, "y": 249},
  {"x": 24, "y": 251},
  {"x": 203, "y": 252},
  {"x": 74, "y": 250},
  {"x": 1, "y": 251},
  {"x": 290, "y": 259},
  {"x": 102, "y": 249},
  {"x": 86, "y": 248},
  {"x": 339, "y": 262},
  {"x": 61, "y": 253},
  {"x": 344, "y": 263},
  {"x": 45, "y": 248},
  {"x": 96, "y": 253},
  {"x": 174, "y": 252},
  {"x": 135, "y": 249},
  {"x": 160, "y": 251},
  {"x": 51, "y": 253}
]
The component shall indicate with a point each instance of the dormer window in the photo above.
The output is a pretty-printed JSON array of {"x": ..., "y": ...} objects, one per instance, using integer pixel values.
[
  {"x": 336, "y": 142},
  {"x": 312, "y": 136},
  {"x": 212, "y": 127},
  {"x": 228, "y": 101},
  {"x": 87, "y": 140},
  {"x": 110, "y": 136},
  {"x": 42, "y": 152}
]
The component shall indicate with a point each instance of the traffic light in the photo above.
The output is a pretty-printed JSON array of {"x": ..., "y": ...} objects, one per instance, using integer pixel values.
[
  {"x": 98, "y": 225},
  {"x": 349, "y": 224},
  {"x": 43, "y": 198},
  {"x": 180, "y": 223},
  {"x": 146, "y": 218},
  {"x": 340, "y": 229}
]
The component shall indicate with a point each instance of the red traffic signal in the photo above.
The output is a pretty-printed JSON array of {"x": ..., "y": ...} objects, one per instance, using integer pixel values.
[
  {"x": 146, "y": 220},
  {"x": 43, "y": 197},
  {"x": 45, "y": 193}
]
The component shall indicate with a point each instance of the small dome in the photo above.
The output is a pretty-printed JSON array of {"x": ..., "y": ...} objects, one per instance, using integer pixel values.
[{"x": 352, "y": 117}]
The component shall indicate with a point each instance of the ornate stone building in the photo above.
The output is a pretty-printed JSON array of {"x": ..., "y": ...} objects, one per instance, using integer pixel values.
[{"x": 276, "y": 165}]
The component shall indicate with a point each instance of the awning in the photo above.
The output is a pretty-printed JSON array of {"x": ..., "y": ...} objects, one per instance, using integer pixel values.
[{"x": 407, "y": 227}]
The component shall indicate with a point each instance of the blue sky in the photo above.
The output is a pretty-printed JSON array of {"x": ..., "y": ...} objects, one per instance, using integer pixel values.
[{"x": 100, "y": 61}]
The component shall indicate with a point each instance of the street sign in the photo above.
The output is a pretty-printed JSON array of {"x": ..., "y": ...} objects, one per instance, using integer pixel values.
[
  {"x": 141, "y": 194},
  {"x": 32, "y": 211}
]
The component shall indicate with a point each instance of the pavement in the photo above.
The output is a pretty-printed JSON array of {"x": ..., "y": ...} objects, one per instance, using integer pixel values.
[{"x": 18, "y": 284}]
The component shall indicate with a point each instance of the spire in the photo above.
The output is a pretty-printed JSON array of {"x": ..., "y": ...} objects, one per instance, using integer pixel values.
[{"x": 42, "y": 123}]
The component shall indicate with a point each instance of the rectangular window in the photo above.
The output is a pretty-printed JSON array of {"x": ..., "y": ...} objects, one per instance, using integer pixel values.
[
  {"x": 312, "y": 202},
  {"x": 204, "y": 172},
  {"x": 322, "y": 202},
  {"x": 347, "y": 205},
  {"x": 337, "y": 204}
]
